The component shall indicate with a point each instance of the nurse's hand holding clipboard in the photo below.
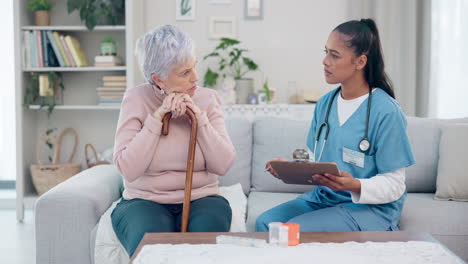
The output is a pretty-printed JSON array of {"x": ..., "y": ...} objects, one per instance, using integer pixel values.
[{"x": 343, "y": 182}]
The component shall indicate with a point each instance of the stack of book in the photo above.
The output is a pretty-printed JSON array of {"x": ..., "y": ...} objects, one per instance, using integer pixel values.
[
  {"x": 44, "y": 48},
  {"x": 107, "y": 61},
  {"x": 112, "y": 90}
]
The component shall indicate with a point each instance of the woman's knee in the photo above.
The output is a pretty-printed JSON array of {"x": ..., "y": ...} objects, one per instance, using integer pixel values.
[
  {"x": 132, "y": 220},
  {"x": 261, "y": 223},
  {"x": 210, "y": 214}
]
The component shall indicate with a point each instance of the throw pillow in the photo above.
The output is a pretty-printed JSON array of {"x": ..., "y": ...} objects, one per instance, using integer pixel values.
[{"x": 452, "y": 175}]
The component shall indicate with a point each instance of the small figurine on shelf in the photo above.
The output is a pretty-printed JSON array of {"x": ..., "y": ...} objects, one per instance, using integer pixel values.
[
  {"x": 108, "y": 56},
  {"x": 41, "y": 9}
]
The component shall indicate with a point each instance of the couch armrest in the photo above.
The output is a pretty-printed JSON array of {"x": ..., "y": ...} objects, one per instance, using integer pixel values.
[{"x": 67, "y": 213}]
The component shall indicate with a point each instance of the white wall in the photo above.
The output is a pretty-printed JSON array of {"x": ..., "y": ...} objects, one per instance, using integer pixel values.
[{"x": 287, "y": 44}]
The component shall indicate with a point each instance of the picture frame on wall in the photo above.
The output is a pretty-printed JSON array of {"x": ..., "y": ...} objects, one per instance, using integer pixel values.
[
  {"x": 222, "y": 27},
  {"x": 185, "y": 9},
  {"x": 253, "y": 9}
]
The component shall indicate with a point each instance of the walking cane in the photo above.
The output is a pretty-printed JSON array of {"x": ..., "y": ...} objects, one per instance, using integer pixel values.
[{"x": 190, "y": 162}]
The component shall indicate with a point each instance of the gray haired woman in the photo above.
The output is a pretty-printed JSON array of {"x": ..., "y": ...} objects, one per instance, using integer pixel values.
[{"x": 154, "y": 167}]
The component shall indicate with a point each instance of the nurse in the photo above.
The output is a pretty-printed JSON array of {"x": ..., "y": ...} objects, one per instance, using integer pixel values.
[{"x": 366, "y": 138}]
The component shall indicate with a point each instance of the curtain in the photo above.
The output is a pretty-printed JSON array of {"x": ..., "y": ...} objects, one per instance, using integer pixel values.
[
  {"x": 449, "y": 59},
  {"x": 405, "y": 34}
]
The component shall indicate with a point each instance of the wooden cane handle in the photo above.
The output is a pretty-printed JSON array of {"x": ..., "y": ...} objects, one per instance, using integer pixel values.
[{"x": 190, "y": 164}]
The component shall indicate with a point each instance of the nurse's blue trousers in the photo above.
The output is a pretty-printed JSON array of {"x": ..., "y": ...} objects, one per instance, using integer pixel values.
[
  {"x": 131, "y": 219},
  {"x": 312, "y": 217}
]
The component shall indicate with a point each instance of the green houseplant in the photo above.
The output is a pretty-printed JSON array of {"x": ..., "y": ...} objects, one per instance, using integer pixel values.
[
  {"x": 231, "y": 62},
  {"x": 108, "y": 46},
  {"x": 45, "y": 90},
  {"x": 41, "y": 9},
  {"x": 94, "y": 12}
]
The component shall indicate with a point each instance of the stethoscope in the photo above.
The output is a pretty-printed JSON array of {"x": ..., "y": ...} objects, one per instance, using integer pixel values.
[{"x": 364, "y": 144}]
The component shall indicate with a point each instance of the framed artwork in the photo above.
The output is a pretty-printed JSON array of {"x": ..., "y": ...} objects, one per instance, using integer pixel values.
[
  {"x": 253, "y": 9},
  {"x": 185, "y": 9},
  {"x": 222, "y": 27}
]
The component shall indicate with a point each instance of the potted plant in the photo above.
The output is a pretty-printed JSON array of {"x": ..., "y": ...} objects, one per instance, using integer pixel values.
[
  {"x": 41, "y": 9},
  {"x": 108, "y": 47},
  {"x": 94, "y": 12},
  {"x": 231, "y": 62},
  {"x": 46, "y": 90}
]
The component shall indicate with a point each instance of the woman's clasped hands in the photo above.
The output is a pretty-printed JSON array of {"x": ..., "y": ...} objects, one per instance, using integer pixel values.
[{"x": 177, "y": 104}]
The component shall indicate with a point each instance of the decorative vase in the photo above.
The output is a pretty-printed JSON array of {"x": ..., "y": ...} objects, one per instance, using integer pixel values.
[
  {"x": 244, "y": 87},
  {"x": 42, "y": 18},
  {"x": 49, "y": 94}
]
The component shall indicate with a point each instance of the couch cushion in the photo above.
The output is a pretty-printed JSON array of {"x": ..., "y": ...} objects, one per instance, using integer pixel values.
[
  {"x": 276, "y": 137},
  {"x": 421, "y": 213},
  {"x": 240, "y": 131},
  {"x": 259, "y": 202},
  {"x": 452, "y": 174},
  {"x": 424, "y": 135}
]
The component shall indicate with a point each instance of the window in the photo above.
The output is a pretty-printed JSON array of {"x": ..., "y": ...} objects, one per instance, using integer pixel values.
[
  {"x": 7, "y": 98},
  {"x": 449, "y": 58}
]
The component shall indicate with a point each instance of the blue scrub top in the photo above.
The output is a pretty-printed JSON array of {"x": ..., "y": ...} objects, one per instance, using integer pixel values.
[{"x": 390, "y": 150}]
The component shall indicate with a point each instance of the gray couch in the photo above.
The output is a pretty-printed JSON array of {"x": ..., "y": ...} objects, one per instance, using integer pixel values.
[{"x": 67, "y": 215}]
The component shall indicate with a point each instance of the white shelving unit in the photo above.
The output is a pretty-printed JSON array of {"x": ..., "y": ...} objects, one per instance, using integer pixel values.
[
  {"x": 76, "y": 69},
  {"x": 96, "y": 125}
]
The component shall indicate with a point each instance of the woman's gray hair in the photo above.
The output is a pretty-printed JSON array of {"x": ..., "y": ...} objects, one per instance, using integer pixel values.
[{"x": 161, "y": 49}]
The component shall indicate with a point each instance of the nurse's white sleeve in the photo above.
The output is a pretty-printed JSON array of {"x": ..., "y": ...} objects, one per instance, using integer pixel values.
[{"x": 382, "y": 188}]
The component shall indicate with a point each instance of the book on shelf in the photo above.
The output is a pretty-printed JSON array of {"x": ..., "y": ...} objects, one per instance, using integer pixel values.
[
  {"x": 106, "y": 64},
  {"x": 76, "y": 51},
  {"x": 67, "y": 51},
  {"x": 114, "y": 84},
  {"x": 27, "y": 60},
  {"x": 115, "y": 78},
  {"x": 39, "y": 48},
  {"x": 56, "y": 49},
  {"x": 61, "y": 49},
  {"x": 108, "y": 59},
  {"x": 110, "y": 89}
]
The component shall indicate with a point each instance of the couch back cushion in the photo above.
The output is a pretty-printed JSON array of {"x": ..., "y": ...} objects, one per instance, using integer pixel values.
[
  {"x": 276, "y": 137},
  {"x": 424, "y": 136},
  {"x": 240, "y": 131}
]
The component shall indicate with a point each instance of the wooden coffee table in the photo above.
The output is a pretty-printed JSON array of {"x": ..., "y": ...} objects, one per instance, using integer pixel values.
[{"x": 306, "y": 237}]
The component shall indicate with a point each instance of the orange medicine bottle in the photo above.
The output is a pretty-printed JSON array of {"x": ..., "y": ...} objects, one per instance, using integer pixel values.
[{"x": 293, "y": 234}]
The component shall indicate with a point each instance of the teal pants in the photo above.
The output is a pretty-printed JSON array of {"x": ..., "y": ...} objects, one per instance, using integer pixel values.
[
  {"x": 314, "y": 217},
  {"x": 131, "y": 219}
]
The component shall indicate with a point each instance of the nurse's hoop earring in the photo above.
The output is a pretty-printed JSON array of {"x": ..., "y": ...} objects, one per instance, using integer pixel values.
[{"x": 162, "y": 91}]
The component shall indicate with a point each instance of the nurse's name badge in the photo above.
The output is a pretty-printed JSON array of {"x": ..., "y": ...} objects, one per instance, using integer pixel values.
[{"x": 353, "y": 157}]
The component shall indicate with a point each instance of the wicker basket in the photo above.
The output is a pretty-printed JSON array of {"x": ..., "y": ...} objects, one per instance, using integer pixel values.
[
  {"x": 96, "y": 159},
  {"x": 46, "y": 176}
]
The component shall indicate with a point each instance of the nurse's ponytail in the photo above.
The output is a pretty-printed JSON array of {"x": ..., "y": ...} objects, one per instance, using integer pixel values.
[{"x": 365, "y": 40}]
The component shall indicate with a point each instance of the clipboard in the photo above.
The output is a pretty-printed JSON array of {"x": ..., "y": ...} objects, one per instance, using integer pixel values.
[{"x": 299, "y": 172}]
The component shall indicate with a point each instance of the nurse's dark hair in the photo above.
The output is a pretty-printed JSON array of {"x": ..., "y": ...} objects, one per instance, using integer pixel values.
[{"x": 364, "y": 40}]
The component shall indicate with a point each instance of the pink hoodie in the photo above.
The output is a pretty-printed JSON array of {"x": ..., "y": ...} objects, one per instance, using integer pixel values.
[{"x": 154, "y": 166}]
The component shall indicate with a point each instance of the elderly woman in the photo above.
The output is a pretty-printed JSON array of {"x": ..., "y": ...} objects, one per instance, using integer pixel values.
[{"x": 154, "y": 166}]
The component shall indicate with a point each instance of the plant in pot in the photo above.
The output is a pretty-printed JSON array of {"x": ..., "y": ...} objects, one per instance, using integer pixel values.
[
  {"x": 41, "y": 9},
  {"x": 99, "y": 12},
  {"x": 231, "y": 62},
  {"x": 108, "y": 46},
  {"x": 45, "y": 90}
]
